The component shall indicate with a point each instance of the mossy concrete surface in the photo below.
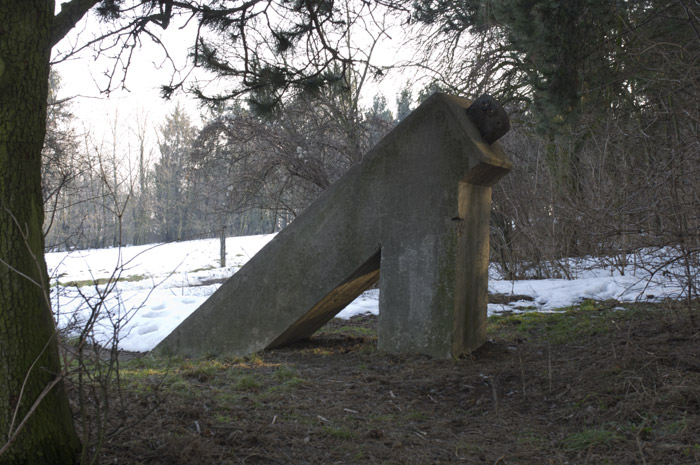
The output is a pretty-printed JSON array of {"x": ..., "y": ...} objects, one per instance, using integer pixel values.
[{"x": 416, "y": 208}]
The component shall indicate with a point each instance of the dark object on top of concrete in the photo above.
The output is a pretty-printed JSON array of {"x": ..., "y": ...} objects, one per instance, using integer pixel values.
[{"x": 489, "y": 117}]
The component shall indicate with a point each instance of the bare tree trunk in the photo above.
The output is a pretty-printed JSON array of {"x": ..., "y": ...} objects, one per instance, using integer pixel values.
[
  {"x": 222, "y": 247},
  {"x": 140, "y": 214},
  {"x": 29, "y": 360}
]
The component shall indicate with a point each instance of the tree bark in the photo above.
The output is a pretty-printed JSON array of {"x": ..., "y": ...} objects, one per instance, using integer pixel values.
[{"x": 29, "y": 360}]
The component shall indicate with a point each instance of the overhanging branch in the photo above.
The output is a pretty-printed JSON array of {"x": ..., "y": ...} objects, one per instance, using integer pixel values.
[{"x": 71, "y": 13}]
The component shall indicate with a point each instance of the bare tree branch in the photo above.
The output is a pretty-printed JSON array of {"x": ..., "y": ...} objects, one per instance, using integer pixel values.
[{"x": 71, "y": 13}]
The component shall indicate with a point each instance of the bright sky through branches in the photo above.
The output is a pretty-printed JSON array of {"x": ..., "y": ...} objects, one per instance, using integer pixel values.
[{"x": 86, "y": 76}]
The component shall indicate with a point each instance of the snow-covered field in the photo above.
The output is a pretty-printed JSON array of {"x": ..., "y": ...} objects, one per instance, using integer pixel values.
[{"x": 158, "y": 286}]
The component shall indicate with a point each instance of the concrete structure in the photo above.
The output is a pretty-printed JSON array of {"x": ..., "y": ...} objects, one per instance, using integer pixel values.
[{"x": 416, "y": 208}]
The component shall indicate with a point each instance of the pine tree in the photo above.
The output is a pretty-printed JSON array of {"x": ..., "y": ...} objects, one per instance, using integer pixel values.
[
  {"x": 403, "y": 104},
  {"x": 560, "y": 55},
  {"x": 171, "y": 177}
]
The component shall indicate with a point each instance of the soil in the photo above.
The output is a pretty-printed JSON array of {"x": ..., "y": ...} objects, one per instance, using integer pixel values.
[{"x": 595, "y": 385}]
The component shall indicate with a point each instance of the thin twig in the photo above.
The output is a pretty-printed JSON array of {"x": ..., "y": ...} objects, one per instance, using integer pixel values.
[{"x": 31, "y": 411}]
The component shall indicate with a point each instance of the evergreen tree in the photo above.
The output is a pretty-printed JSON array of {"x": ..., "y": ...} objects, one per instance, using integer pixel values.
[
  {"x": 380, "y": 109},
  {"x": 171, "y": 177},
  {"x": 403, "y": 103},
  {"x": 141, "y": 214},
  {"x": 561, "y": 56},
  {"x": 429, "y": 90},
  {"x": 61, "y": 167},
  {"x": 378, "y": 120}
]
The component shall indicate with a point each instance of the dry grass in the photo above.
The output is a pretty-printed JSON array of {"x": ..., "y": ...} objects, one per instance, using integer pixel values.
[{"x": 592, "y": 385}]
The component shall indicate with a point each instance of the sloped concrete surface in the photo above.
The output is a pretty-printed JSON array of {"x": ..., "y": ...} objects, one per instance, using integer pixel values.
[{"x": 414, "y": 212}]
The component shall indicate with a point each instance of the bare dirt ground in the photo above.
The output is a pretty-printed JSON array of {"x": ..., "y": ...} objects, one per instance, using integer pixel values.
[{"x": 594, "y": 385}]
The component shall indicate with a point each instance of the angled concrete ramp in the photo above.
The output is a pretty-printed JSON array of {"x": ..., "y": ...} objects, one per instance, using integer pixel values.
[{"x": 417, "y": 208}]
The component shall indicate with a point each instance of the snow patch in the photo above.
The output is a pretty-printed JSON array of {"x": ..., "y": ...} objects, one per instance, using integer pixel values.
[{"x": 161, "y": 285}]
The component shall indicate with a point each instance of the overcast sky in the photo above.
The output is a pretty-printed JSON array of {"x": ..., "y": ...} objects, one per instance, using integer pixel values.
[{"x": 84, "y": 76}]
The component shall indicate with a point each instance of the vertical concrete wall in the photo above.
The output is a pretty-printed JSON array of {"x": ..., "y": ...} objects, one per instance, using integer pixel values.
[{"x": 414, "y": 214}]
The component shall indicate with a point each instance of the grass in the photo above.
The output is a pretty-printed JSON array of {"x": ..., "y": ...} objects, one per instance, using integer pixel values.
[
  {"x": 255, "y": 359},
  {"x": 227, "y": 397},
  {"x": 224, "y": 419},
  {"x": 253, "y": 376},
  {"x": 590, "y": 438},
  {"x": 560, "y": 327},
  {"x": 692, "y": 451},
  {"x": 101, "y": 281},
  {"x": 202, "y": 370},
  {"x": 288, "y": 379},
  {"x": 384, "y": 418},
  {"x": 344, "y": 434},
  {"x": 285, "y": 373},
  {"x": 357, "y": 331},
  {"x": 532, "y": 438},
  {"x": 587, "y": 383},
  {"x": 204, "y": 268},
  {"x": 677, "y": 427},
  {"x": 248, "y": 383},
  {"x": 415, "y": 416},
  {"x": 463, "y": 449},
  {"x": 188, "y": 377},
  {"x": 180, "y": 387}
]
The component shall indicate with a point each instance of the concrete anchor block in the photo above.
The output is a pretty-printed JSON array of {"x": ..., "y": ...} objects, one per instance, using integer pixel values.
[{"x": 417, "y": 208}]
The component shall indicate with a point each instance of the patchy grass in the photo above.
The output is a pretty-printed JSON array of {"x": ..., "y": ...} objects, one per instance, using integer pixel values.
[
  {"x": 202, "y": 370},
  {"x": 355, "y": 331},
  {"x": 101, "y": 281},
  {"x": 204, "y": 268},
  {"x": 588, "y": 438},
  {"x": 588, "y": 384},
  {"x": 565, "y": 325},
  {"x": 339, "y": 433},
  {"x": 248, "y": 383}
]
